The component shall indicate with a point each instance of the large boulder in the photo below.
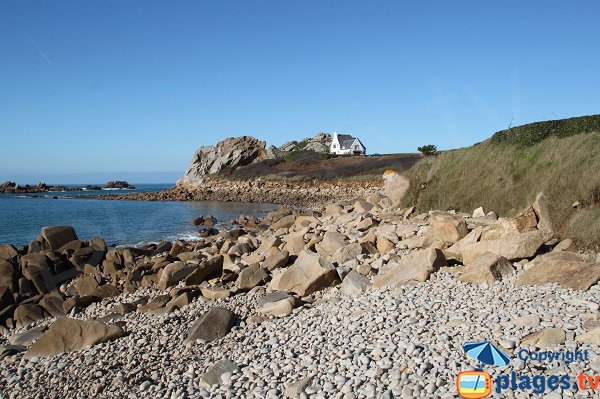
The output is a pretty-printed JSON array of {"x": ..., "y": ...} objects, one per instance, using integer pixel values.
[
  {"x": 7, "y": 274},
  {"x": 513, "y": 246},
  {"x": 173, "y": 273},
  {"x": 567, "y": 269},
  {"x": 68, "y": 335},
  {"x": 446, "y": 228},
  {"x": 212, "y": 267},
  {"x": 332, "y": 241},
  {"x": 395, "y": 185},
  {"x": 57, "y": 236},
  {"x": 414, "y": 267},
  {"x": 487, "y": 268},
  {"x": 252, "y": 276},
  {"x": 354, "y": 284},
  {"x": 212, "y": 325},
  {"x": 28, "y": 313},
  {"x": 310, "y": 273},
  {"x": 229, "y": 153}
]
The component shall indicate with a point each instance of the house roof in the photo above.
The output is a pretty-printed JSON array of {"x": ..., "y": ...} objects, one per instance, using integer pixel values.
[{"x": 346, "y": 141}]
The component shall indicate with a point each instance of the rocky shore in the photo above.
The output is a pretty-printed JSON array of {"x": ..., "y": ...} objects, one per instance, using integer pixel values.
[
  {"x": 355, "y": 299},
  {"x": 313, "y": 194}
]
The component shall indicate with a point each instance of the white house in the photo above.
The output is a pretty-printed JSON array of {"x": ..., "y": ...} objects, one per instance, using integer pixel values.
[{"x": 344, "y": 144}]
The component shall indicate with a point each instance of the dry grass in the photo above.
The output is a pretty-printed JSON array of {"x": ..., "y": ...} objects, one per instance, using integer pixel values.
[{"x": 505, "y": 178}]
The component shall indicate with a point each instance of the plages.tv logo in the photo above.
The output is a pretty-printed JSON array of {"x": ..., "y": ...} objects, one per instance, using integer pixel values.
[{"x": 478, "y": 384}]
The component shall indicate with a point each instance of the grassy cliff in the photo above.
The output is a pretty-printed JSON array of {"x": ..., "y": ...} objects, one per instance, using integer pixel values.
[{"x": 505, "y": 173}]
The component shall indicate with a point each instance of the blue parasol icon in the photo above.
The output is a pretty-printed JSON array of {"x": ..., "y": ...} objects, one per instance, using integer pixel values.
[{"x": 486, "y": 353}]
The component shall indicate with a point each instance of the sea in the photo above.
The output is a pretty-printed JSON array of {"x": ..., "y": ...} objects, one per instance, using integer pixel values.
[{"x": 119, "y": 222}]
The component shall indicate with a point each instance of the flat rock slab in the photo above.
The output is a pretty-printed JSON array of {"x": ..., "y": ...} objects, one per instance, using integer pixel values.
[
  {"x": 214, "y": 375},
  {"x": 212, "y": 325},
  {"x": 68, "y": 335},
  {"x": 414, "y": 267},
  {"x": 546, "y": 338},
  {"x": 28, "y": 337},
  {"x": 567, "y": 269}
]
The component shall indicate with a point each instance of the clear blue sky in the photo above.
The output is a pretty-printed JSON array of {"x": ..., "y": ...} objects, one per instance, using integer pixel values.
[{"x": 110, "y": 86}]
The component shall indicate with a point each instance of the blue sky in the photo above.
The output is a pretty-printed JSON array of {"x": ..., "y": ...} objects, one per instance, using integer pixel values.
[{"x": 112, "y": 86}]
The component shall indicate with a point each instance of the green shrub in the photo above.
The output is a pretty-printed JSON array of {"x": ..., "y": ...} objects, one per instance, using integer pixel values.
[
  {"x": 428, "y": 149},
  {"x": 533, "y": 133}
]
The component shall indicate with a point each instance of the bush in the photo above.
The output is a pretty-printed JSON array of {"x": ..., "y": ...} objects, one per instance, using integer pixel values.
[
  {"x": 428, "y": 149},
  {"x": 533, "y": 133}
]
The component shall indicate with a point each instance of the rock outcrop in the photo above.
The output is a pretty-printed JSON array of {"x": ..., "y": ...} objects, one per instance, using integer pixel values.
[{"x": 229, "y": 153}]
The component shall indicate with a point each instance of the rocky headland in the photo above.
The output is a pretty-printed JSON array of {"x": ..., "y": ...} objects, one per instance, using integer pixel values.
[{"x": 354, "y": 299}]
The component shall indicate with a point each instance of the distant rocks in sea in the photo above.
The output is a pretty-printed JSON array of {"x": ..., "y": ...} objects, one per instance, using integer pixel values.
[
  {"x": 10, "y": 187},
  {"x": 119, "y": 184}
]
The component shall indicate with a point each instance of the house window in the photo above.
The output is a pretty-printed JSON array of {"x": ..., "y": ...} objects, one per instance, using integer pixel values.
[{"x": 356, "y": 147}]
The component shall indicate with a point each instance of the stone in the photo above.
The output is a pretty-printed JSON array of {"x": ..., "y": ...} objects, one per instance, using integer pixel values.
[
  {"x": 347, "y": 253},
  {"x": 590, "y": 337},
  {"x": 294, "y": 243},
  {"x": 332, "y": 241},
  {"x": 415, "y": 267},
  {"x": 487, "y": 268},
  {"x": 309, "y": 273},
  {"x": 79, "y": 301},
  {"x": 214, "y": 375},
  {"x": 36, "y": 269},
  {"x": 206, "y": 270},
  {"x": 395, "y": 186},
  {"x": 446, "y": 227},
  {"x": 6, "y": 297},
  {"x": 8, "y": 252},
  {"x": 276, "y": 259},
  {"x": 57, "y": 236},
  {"x": 479, "y": 212},
  {"x": 68, "y": 335},
  {"x": 26, "y": 338},
  {"x": 296, "y": 389},
  {"x": 53, "y": 305},
  {"x": 252, "y": 276},
  {"x": 384, "y": 246},
  {"x": 28, "y": 313},
  {"x": 545, "y": 339},
  {"x": 333, "y": 210},
  {"x": 281, "y": 308},
  {"x": 512, "y": 247},
  {"x": 568, "y": 269},
  {"x": 124, "y": 308},
  {"x": 157, "y": 302},
  {"x": 212, "y": 325},
  {"x": 284, "y": 223},
  {"x": 530, "y": 320},
  {"x": 565, "y": 245},
  {"x": 362, "y": 206},
  {"x": 173, "y": 273},
  {"x": 542, "y": 210},
  {"x": 354, "y": 284},
  {"x": 216, "y": 293},
  {"x": 7, "y": 274},
  {"x": 525, "y": 221}
]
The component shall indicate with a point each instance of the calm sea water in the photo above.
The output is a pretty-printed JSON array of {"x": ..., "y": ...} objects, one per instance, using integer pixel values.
[{"x": 118, "y": 222}]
